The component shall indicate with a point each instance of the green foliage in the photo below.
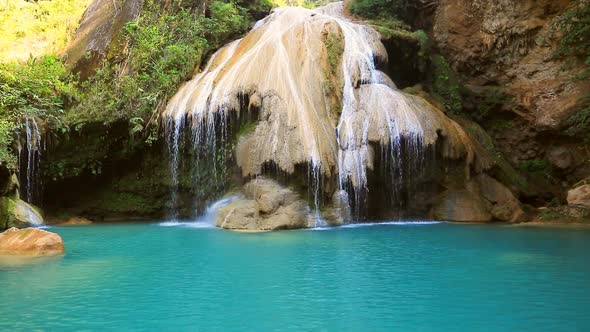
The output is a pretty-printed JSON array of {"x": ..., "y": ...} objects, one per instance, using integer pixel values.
[
  {"x": 40, "y": 88},
  {"x": 489, "y": 99},
  {"x": 503, "y": 170},
  {"x": 445, "y": 85},
  {"x": 575, "y": 41},
  {"x": 7, "y": 159},
  {"x": 334, "y": 48},
  {"x": 164, "y": 47},
  {"x": 381, "y": 8},
  {"x": 246, "y": 128},
  {"x": 579, "y": 123},
  {"x": 37, "y": 27},
  {"x": 560, "y": 215},
  {"x": 535, "y": 165}
]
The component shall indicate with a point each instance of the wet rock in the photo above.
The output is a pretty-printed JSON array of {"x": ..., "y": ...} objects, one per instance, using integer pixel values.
[
  {"x": 266, "y": 206},
  {"x": 30, "y": 242},
  {"x": 339, "y": 211},
  {"x": 579, "y": 196},
  {"x": 26, "y": 214}
]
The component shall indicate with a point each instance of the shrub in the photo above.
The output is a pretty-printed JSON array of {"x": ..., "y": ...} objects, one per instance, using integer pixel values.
[
  {"x": 41, "y": 88},
  {"x": 164, "y": 47},
  {"x": 381, "y": 8},
  {"x": 445, "y": 85}
]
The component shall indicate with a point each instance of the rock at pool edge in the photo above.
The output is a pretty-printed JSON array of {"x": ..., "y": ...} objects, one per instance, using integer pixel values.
[{"x": 30, "y": 242}]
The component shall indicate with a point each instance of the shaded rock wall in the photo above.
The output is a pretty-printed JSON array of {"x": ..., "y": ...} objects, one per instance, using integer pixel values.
[{"x": 504, "y": 53}]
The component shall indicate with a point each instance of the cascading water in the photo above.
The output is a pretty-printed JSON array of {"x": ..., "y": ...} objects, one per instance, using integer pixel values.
[
  {"x": 207, "y": 220},
  {"x": 281, "y": 69},
  {"x": 29, "y": 159}
]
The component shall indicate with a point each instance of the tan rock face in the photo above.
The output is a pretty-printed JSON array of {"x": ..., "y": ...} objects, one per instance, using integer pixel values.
[
  {"x": 461, "y": 205},
  {"x": 30, "y": 242},
  {"x": 503, "y": 205},
  {"x": 482, "y": 199},
  {"x": 266, "y": 206},
  {"x": 579, "y": 196},
  {"x": 511, "y": 44}
]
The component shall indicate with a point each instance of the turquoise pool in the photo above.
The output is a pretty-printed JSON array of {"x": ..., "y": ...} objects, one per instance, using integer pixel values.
[{"x": 397, "y": 277}]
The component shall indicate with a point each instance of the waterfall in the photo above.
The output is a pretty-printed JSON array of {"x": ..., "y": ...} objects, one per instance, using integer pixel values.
[
  {"x": 281, "y": 70},
  {"x": 29, "y": 159}
]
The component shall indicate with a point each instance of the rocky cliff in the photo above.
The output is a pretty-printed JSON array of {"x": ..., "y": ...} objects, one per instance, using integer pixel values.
[{"x": 519, "y": 88}]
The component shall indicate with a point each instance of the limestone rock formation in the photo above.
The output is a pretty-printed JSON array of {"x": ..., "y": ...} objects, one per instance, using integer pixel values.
[
  {"x": 579, "y": 196},
  {"x": 30, "y": 242},
  {"x": 266, "y": 206},
  {"x": 310, "y": 78}
]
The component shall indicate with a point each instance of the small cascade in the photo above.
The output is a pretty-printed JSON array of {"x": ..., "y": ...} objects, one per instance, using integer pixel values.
[
  {"x": 281, "y": 69},
  {"x": 207, "y": 220},
  {"x": 29, "y": 159},
  {"x": 211, "y": 211},
  {"x": 173, "y": 136}
]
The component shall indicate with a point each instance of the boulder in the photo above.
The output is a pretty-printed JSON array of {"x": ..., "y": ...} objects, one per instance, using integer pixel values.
[
  {"x": 30, "y": 242},
  {"x": 266, "y": 206},
  {"x": 503, "y": 205},
  {"x": 462, "y": 206},
  {"x": 579, "y": 197}
]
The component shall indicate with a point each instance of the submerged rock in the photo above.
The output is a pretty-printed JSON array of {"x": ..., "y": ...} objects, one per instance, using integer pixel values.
[
  {"x": 75, "y": 221},
  {"x": 266, "y": 206},
  {"x": 30, "y": 242}
]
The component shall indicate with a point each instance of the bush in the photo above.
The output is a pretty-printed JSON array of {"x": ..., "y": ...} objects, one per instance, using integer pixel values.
[
  {"x": 445, "y": 85},
  {"x": 535, "y": 165},
  {"x": 381, "y": 8},
  {"x": 41, "y": 88},
  {"x": 164, "y": 47}
]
